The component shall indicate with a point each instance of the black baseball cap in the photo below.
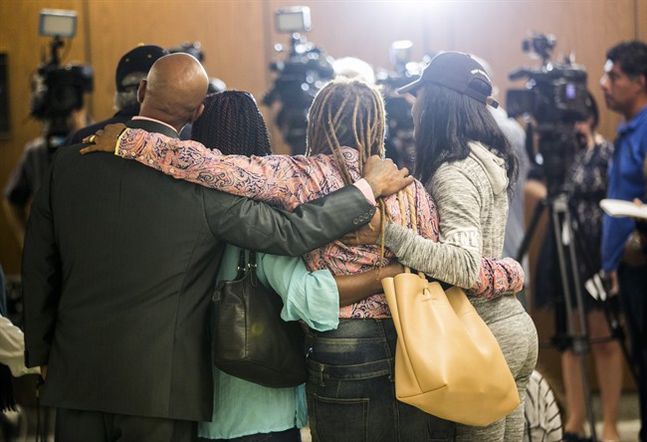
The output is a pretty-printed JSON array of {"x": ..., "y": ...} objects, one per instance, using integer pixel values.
[
  {"x": 139, "y": 59},
  {"x": 459, "y": 72}
]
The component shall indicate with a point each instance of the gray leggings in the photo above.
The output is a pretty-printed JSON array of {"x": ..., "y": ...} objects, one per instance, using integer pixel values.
[{"x": 517, "y": 337}]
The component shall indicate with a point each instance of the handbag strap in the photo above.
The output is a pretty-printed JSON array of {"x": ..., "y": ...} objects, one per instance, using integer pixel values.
[
  {"x": 242, "y": 264},
  {"x": 245, "y": 265},
  {"x": 407, "y": 194}
]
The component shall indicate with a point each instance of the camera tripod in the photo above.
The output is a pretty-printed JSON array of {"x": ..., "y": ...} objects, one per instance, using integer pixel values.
[{"x": 569, "y": 247}]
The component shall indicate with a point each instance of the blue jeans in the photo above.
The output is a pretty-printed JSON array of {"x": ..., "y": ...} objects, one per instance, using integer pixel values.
[{"x": 351, "y": 390}]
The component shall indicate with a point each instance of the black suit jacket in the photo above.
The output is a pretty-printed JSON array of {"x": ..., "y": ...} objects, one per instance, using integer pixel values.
[{"x": 118, "y": 268}]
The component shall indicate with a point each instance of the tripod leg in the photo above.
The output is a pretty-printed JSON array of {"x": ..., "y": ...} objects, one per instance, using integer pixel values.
[
  {"x": 536, "y": 215},
  {"x": 563, "y": 237}
]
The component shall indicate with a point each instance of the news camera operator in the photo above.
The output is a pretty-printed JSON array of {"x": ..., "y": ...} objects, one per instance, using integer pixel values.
[
  {"x": 570, "y": 182},
  {"x": 57, "y": 100},
  {"x": 624, "y": 84},
  {"x": 31, "y": 170},
  {"x": 133, "y": 67},
  {"x": 587, "y": 184}
]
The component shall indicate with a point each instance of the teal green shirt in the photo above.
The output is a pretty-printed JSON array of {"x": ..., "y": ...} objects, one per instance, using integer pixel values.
[{"x": 242, "y": 408}]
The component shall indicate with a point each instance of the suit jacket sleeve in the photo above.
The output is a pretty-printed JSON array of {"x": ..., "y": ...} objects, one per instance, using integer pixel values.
[
  {"x": 41, "y": 278},
  {"x": 257, "y": 226}
]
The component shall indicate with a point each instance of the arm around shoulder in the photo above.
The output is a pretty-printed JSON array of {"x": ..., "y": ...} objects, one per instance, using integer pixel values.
[{"x": 258, "y": 226}]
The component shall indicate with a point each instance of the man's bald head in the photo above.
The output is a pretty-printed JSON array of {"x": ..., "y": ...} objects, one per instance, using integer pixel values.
[{"x": 174, "y": 90}]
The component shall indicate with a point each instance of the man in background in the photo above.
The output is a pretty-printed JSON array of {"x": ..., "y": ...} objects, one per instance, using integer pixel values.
[
  {"x": 132, "y": 68},
  {"x": 32, "y": 167},
  {"x": 624, "y": 84}
]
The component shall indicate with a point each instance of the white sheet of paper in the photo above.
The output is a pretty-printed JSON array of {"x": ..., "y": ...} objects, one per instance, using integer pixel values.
[{"x": 622, "y": 208}]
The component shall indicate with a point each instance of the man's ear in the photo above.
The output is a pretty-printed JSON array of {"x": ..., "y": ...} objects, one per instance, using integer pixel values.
[
  {"x": 141, "y": 91},
  {"x": 197, "y": 112},
  {"x": 642, "y": 80}
]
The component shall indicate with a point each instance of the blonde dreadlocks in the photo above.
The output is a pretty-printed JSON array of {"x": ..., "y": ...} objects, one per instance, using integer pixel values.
[{"x": 346, "y": 113}]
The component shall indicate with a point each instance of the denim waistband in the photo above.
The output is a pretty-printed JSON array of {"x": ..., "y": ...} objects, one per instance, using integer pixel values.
[
  {"x": 357, "y": 349},
  {"x": 359, "y": 328}
]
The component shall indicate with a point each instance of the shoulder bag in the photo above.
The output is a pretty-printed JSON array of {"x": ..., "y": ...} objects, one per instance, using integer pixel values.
[
  {"x": 250, "y": 340},
  {"x": 447, "y": 361}
]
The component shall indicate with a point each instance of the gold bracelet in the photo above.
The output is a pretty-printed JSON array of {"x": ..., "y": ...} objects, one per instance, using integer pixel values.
[{"x": 118, "y": 140}]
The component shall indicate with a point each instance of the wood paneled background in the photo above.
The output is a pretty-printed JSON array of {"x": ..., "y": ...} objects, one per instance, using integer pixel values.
[{"x": 238, "y": 37}]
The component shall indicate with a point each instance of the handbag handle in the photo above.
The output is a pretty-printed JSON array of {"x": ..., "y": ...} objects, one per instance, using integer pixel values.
[
  {"x": 403, "y": 217},
  {"x": 406, "y": 193},
  {"x": 245, "y": 265}
]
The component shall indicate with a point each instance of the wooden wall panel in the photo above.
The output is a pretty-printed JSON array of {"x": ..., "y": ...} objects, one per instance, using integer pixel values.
[
  {"x": 641, "y": 19},
  {"x": 231, "y": 34},
  {"x": 19, "y": 38}
]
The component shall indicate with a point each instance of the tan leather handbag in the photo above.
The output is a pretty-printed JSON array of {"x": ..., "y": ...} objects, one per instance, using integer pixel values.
[{"x": 447, "y": 361}]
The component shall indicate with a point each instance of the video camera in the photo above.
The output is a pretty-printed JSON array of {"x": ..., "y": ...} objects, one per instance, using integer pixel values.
[
  {"x": 299, "y": 77},
  {"x": 399, "y": 137},
  {"x": 58, "y": 90},
  {"x": 555, "y": 93},
  {"x": 556, "y": 97}
]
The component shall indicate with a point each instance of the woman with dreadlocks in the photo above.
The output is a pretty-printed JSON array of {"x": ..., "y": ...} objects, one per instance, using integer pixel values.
[
  {"x": 244, "y": 411},
  {"x": 350, "y": 388}
]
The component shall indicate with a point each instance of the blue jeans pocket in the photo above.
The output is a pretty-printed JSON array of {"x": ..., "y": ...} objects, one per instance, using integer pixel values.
[{"x": 350, "y": 417}]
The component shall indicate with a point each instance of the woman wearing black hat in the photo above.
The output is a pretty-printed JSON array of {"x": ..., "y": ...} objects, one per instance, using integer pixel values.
[{"x": 467, "y": 164}]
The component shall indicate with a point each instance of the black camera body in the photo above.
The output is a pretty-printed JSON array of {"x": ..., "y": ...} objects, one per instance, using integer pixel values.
[
  {"x": 554, "y": 93},
  {"x": 399, "y": 143},
  {"x": 556, "y": 96},
  {"x": 58, "y": 90}
]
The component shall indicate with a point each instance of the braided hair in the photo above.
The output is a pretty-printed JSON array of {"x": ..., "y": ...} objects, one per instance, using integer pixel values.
[
  {"x": 346, "y": 113},
  {"x": 232, "y": 123}
]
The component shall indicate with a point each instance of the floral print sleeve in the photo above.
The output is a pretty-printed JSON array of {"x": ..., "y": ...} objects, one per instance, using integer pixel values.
[
  {"x": 278, "y": 179},
  {"x": 498, "y": 277},
  {"x": 289, "y": 181}
]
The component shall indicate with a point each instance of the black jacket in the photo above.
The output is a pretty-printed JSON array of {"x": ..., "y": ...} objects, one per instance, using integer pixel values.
[{"x": 118, "y": 268}]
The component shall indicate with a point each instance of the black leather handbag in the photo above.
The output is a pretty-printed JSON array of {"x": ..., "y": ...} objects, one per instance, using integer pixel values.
[{"x": 250, "y": 340}]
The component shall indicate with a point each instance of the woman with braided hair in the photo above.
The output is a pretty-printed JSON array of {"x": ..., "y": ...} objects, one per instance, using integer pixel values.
[
  {"x": 244, "y": 411},
  {"x": 232, "y": 123},
  {"x": 351, "y": 393}
]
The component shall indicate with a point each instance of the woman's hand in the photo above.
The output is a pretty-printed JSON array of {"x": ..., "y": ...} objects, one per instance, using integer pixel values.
[{"x": 104, "y": 140}]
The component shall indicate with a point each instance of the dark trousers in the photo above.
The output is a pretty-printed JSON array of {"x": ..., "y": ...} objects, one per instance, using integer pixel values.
[
  {"x": 351, "y": 390},
  {"x": 95, "y": 426},
  {"x": 291, "y": 435},
  {"x": 633, "y": 298}
]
